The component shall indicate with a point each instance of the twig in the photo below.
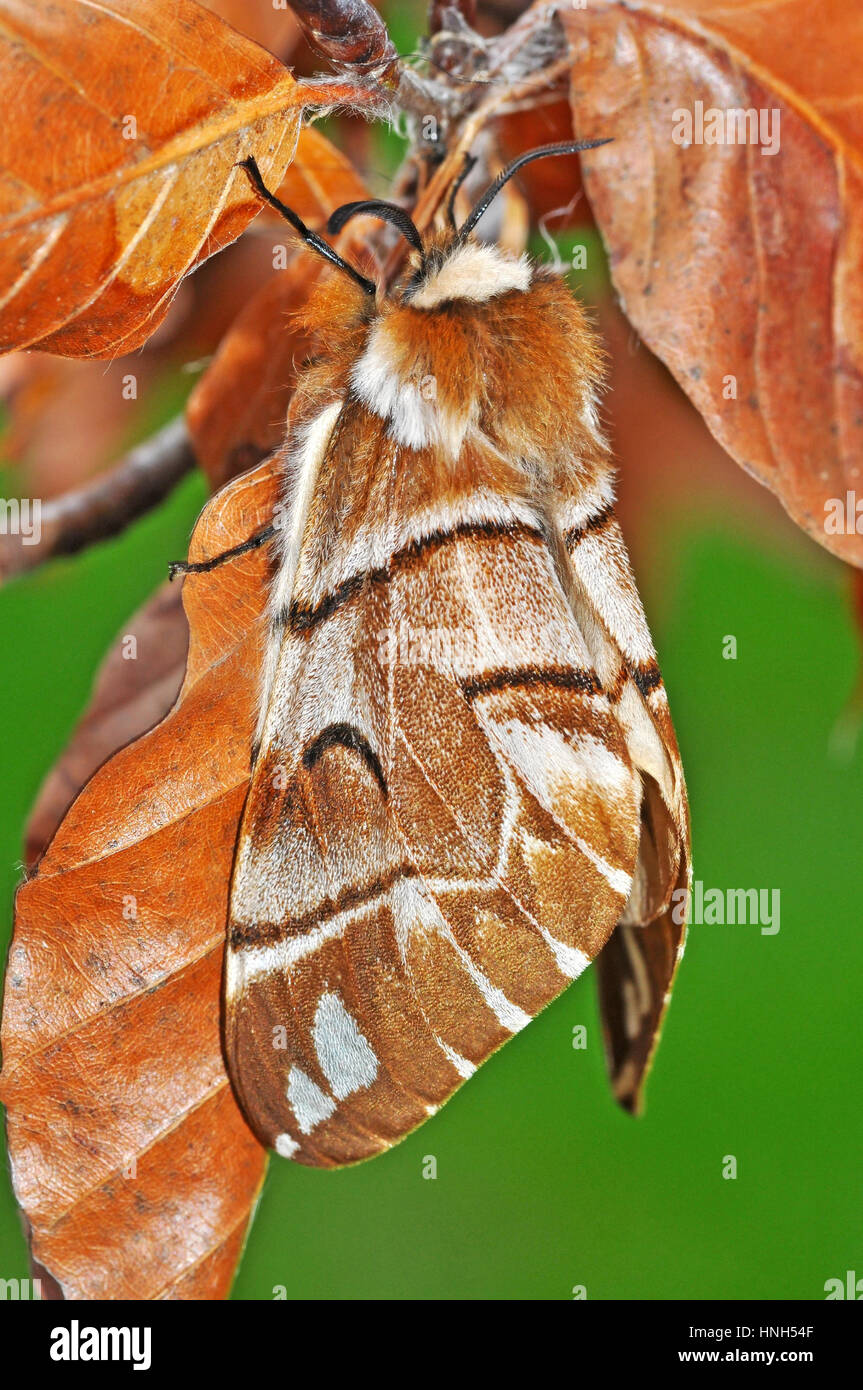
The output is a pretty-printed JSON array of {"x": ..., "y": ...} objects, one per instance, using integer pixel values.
[
  {"x": 350, "y": 33},
  {"x": 105, "y": 506}
]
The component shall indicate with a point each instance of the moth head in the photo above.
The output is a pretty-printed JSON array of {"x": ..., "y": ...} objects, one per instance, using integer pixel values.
[{"x": 454, "y": 266}]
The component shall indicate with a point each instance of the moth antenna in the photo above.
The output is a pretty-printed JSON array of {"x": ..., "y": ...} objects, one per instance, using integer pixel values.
[
  {"x": 387, "y": 212},
  {"x": 469, "y": 162},
  {"x": 312, "y": 240},
  {"x": 566, "y": 147}
]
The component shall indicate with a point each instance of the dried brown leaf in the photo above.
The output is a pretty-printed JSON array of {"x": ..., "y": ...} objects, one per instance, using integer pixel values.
[
  {"x": 741, "y": 270},
  {"x": 236, "y": 413},
  {"x": 130, "y": 1157},
  {"x": 319, "y": 179},
  {"x": 135, "y": 688},
  {"x": 152, "y": 112}
]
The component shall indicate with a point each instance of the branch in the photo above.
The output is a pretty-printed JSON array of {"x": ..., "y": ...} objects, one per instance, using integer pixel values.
[{"x": 105, "y": 506}]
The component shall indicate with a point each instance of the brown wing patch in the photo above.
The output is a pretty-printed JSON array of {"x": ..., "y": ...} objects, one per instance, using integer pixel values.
[{"x": 439, "y": 859}]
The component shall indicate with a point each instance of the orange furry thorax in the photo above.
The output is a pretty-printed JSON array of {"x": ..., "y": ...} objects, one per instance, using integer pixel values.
[{"x": 520, "y": 369}]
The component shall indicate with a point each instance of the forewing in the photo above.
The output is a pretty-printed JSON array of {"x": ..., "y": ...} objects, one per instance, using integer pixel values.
[{"x": 441, "y": 831}]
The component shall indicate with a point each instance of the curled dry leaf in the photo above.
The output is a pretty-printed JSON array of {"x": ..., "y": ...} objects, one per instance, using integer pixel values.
[
  {"x": 130, "y": 1158},
  {"x": 740, "y": 269},
  {"x": 66, "y": 419},
  {"x": 236, "y": 413},
  {"x": 152, "y": 113},
  {"x": 130, "y": 696}
]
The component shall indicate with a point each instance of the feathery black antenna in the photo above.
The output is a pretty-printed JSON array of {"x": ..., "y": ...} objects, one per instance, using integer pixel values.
[
  {"x": 387, "y": 212},
  {"x": 469, "y": 162},
  {"x": 544, "y": 151}
]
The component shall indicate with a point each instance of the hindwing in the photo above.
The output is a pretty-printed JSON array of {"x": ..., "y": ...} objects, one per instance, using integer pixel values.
[{"x": 637, "y": 967}]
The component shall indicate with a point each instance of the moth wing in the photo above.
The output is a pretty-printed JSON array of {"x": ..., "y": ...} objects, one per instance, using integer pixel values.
[
  {"x": 438, "y": 837},
  {"x": 637, "y": 967}
]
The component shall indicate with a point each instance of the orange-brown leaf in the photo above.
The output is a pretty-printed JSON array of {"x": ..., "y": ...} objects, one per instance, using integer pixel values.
[
  {"x": 319, "y": 179},
  {"x": 122, "y": 127},
  {"x": 274, "y": 28},
  {"x": 550, "y": 184},
  {"x": 741, "y": 270},
  {"x": 130, "y": 1158},
  {"x": 131, "y": 695},
  {"x": 236, "y": 413}
]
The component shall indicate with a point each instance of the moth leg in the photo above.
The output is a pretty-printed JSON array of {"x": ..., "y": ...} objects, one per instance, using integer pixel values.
[{"x": 204, "y": 566}]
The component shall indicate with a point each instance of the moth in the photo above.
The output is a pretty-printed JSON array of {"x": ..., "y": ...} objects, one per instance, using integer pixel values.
[{"x": 465, "y": 784}]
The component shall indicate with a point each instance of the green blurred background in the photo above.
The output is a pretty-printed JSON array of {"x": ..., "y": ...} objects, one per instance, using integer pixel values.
[{"x": 542, "y": 1183}]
